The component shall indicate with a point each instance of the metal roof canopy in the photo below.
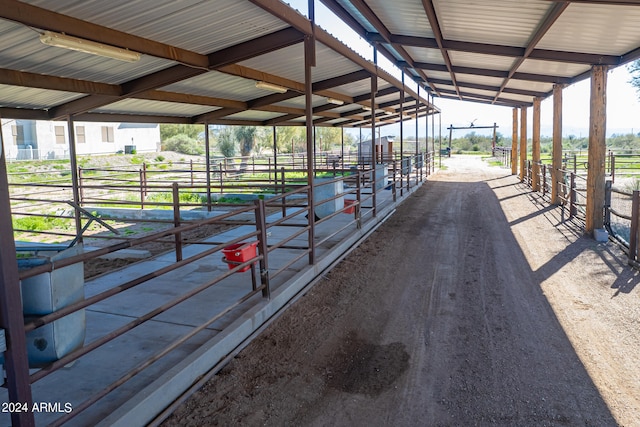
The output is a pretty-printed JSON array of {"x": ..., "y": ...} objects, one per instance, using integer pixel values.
[
  {"x": 500, "y": 52},
  {"x": 199, "y": 63}
]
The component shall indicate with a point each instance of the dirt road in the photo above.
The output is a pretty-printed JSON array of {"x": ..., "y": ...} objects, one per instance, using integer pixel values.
[{"x": 473, "y": 305}]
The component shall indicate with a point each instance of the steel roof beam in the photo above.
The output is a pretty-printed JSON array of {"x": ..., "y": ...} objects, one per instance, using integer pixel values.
[
  {"x": 41, "y": 81},
  {"x": 252, "y": 48},
  {"x": 500, "y": 50},
  {"x": 437, "y": 32},
  {"x": 552, "y": 16},
  {"x": 491, "y": 88},
  {"x": 376, "y": 23}
]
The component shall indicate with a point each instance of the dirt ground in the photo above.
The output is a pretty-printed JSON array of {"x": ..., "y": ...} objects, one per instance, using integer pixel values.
[{"x": 475, "y": 304}]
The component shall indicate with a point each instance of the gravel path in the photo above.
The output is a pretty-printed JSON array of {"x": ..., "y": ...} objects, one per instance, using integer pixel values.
[{"x": 475, "y": 304}]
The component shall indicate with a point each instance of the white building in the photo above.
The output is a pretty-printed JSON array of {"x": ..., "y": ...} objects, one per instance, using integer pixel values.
[{"x": 31, "y": 139}]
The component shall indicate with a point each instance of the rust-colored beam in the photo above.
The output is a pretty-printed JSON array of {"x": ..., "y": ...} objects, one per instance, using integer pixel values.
[
  {"x": 11, "y": 317},
  {"x": 552, "y": 16},
  {"x": 437, "y": 32},
  {"x": 514, "y": 143},
  {"x": 148, "y": 82},
  {"x": 252, "y": 48},
  {"x": 41, "y": 81}
]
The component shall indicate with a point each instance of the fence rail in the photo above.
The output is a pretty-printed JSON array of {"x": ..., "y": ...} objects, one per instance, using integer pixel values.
[{"x": 286, "y": 192}]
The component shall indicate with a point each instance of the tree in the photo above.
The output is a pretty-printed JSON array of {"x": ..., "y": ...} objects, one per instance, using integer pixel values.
[
  {"x": 169, "y": 130},
  {"x": 634, "y": 70},
  {"x": 226, "y": 143},
  {"x": 245, "y": 135}
]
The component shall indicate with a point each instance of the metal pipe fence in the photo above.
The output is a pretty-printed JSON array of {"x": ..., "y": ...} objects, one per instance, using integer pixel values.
[{"x": 286, "y": 206}]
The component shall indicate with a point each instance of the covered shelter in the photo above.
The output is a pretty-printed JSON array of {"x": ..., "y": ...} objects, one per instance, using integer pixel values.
[
  {"x": 513, "y": 54},
  {"x": 261, "y": 63}
]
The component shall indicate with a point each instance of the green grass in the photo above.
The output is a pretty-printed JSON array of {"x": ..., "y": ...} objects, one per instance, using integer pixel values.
[{"x": 39, "y": 223}]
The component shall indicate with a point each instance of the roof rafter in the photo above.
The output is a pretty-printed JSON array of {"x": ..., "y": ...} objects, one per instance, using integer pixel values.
[
  {"x": 552, "y": 16},
  {"x": 435, "y": 27},
  {"x": 376, "y": 23}
]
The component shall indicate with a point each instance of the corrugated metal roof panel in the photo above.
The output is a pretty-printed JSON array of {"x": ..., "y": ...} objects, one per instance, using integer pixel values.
[
  {"x": 218, "y": 85},
  {"x": 405, "y": 17},
  {"x": 529, "y": 85},
  {"x": 21, "y": 49},
  {"x": 254, "y": 115},
  {"x": 178, "y": 23},
  {"x": 420, "y": 54},
  {"x": 440, "y": 75},
  {"x": 289, "y": 63},
  {"x": 24, "y": 97},
  {"x": 499, "y": 22},
  {"x": 483, "y": 80},
  {"x": 595, "y": 28},
  {"x": 142, "y": 106},
  {"x": 562, "y": 69},
  {"x": 479, "y": 60}
]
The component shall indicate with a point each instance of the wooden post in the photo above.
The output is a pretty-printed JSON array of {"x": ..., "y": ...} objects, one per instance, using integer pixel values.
[
  {"x": 535, "y": 146},
  {"x": 523, "y": 142},
  {"x": 633, "y": 235},
  {"x": 556, "y": 161},
  {"x": 597, "y": 149}
]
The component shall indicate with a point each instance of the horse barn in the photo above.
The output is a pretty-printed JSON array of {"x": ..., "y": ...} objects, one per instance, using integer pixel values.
[{"x": 128, "y": 346}]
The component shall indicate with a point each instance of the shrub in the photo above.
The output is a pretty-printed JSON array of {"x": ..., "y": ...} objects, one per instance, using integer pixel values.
[{"x": 185, "y": 145}]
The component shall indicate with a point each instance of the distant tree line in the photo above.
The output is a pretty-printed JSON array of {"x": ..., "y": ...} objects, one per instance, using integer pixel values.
[{"x": 230, "y": 141}]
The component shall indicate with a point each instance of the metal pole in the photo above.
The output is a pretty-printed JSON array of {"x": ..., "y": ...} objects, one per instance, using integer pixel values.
[
  {"x": 374, "y": 89},
  {"x": 73, "y": 161},
  {"x": 275, "y": 151},
  {"x": 11, "y": 319},
  {"x": 309, "y": 61},
  {"x": 207, "y": 156},
  {"x": 402, "y": 135}
]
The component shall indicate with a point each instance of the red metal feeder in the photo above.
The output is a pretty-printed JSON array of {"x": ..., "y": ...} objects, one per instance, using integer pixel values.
[
  {"x": 349, "y": 206},
  {"x": 239, "y": 253}
]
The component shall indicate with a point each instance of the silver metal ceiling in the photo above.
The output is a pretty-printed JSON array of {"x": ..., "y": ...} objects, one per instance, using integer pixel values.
[
  {"x": 200, "y": 60},
  {"x": 503, "y": 52}
]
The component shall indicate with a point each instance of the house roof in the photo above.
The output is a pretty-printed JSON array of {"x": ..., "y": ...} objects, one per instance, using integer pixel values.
[
  {"x": 501, "y": 52},
  {"x": 200, "y": 61}
]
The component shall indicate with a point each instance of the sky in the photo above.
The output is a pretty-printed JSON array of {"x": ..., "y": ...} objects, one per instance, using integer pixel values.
[{"x": 623, "y": 102}]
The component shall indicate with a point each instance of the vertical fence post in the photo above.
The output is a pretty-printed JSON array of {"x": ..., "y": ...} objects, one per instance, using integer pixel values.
[
  {"x": 544, "y": 179},
  {"x": 176, "y": 221},
  {"x": 358, "y": 199},
  {"x": 144, "y": 179},
  {"x": 633, "y": 237},
  {"x": 263, "y": 247},
  {"x": 607, "y": 205},
  {"x": 221, "y": 178},
  {"x": 80, "y": 186},
  {"x": 283, "y": 189},
  {"x": 141, "y": 189},
  {"x": 572, "y": 197},
  {"x": 393, "y": 180},
  {"x": 613, "y": 167}
]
